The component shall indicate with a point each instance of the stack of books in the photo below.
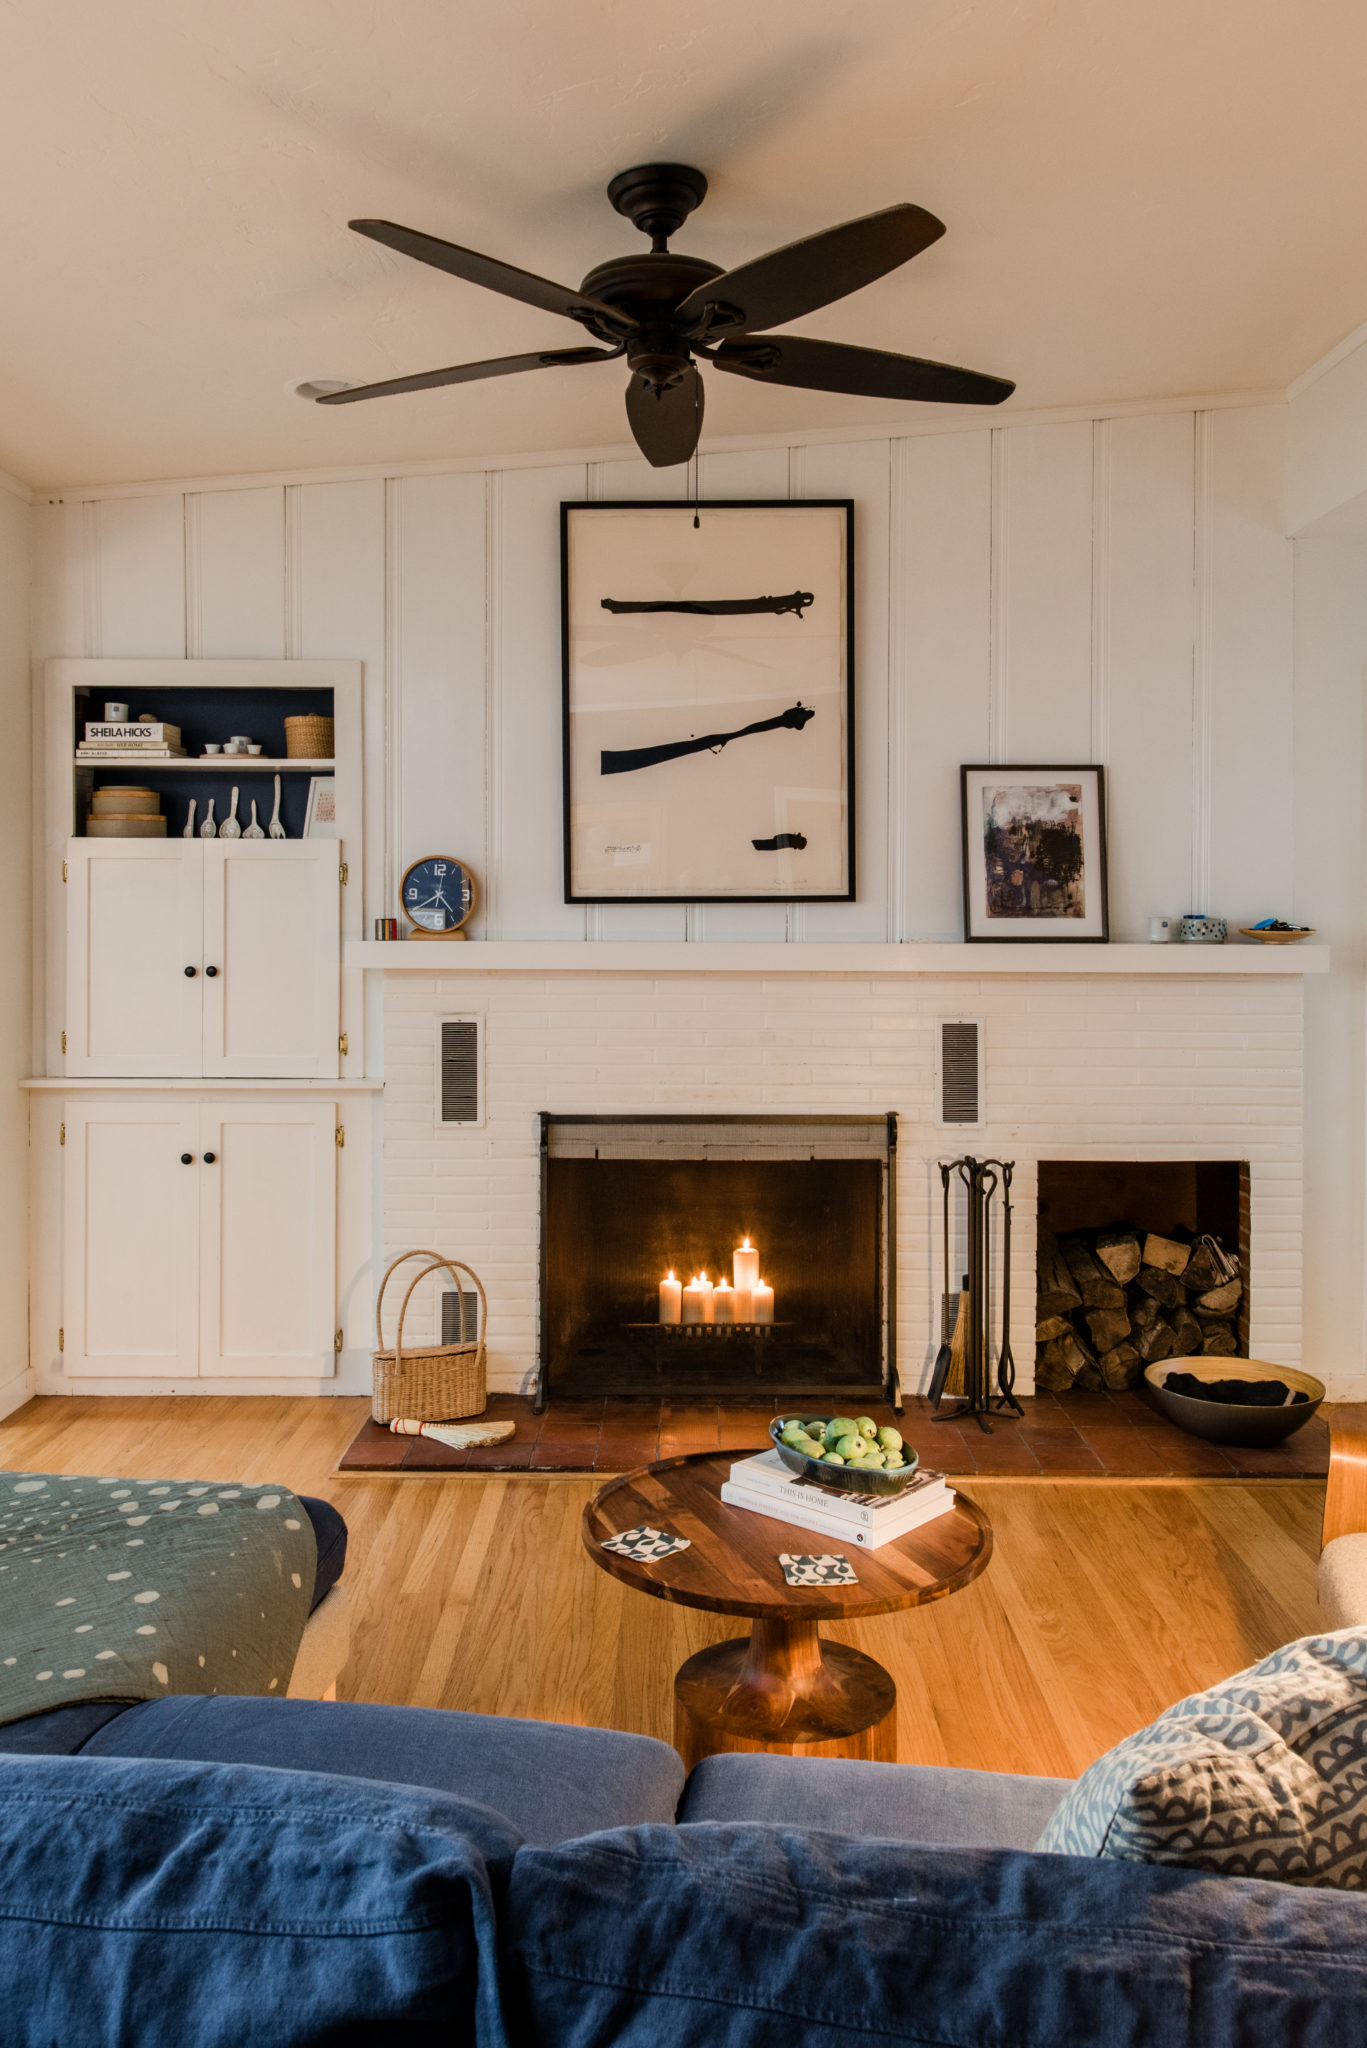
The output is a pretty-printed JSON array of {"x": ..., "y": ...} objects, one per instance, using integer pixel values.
[
  {"x": 106, "y": 742},
  {"x": 764, "y": 1485}
]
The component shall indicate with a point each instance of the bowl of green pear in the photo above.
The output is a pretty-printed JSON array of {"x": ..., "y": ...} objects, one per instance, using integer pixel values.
[{"x": 851, "y": 1452}]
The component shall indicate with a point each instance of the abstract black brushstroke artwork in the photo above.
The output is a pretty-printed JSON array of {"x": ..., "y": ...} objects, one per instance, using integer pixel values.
[
  {"x": 621, "y": 763},
  {"x": 1034, "y": 853},
  {"x": 708, "y": 701},
  {"x": 715, "y": 607}
]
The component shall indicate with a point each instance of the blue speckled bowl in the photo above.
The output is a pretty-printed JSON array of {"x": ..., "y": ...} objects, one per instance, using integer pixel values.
[{"x": 848, "y": 1478}]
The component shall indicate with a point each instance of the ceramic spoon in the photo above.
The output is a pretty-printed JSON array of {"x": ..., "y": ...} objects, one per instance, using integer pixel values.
[
  {"x": 189, "y": 831},
  {"x": 276, "y": 830},
  {"x": 208, "y": 829},
  {"x": 230, "y": 829},
  {"x": 253, "y": 830}
]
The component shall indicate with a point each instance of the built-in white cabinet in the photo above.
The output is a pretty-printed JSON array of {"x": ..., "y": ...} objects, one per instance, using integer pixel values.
[
  {"x": 200, "y": 1238},
  {"x": 203, "y": 958}
]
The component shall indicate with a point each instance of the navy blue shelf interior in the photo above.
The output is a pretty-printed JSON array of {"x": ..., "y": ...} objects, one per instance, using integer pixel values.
[{"x": 205, "y": 715}]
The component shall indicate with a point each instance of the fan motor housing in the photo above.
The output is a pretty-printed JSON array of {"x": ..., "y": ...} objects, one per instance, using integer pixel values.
[{"x": 648, "y": 286}]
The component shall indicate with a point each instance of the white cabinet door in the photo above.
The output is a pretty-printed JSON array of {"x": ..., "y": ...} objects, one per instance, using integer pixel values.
[
  {"x": 131, "y": 1284},
  {"x": 272, "y": 958},
  {"x": 268, "y": 1235},
  {"x": 134, "y": 927}
]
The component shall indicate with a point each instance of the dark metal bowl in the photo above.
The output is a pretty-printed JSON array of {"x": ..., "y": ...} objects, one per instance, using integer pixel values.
[
  {"x": 1228, "y": 1422},
  {"x": 848, "y": 1478}
]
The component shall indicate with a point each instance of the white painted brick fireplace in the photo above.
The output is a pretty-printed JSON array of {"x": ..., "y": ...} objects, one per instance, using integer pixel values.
[{"x": 1124, "y": 1053}]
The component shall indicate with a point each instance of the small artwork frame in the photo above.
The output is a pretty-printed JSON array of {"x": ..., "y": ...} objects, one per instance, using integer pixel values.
[
  {"x": 708, "y": 700},
  {"x": 320, "y": 820},
  {"x": 1034, "y": 854}
]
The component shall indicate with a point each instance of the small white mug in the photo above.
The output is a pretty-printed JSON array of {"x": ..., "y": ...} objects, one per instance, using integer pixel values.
[
  {"x": 116, "y": 714},
  {"x": 1160, "y": 931}
]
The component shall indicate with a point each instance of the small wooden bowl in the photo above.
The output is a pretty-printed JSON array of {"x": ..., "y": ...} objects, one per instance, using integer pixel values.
[
  {"x": 1230, "y": 1422},
  {"x": 1277, "y": 938},
  {"x": 847, "y": 1478}
]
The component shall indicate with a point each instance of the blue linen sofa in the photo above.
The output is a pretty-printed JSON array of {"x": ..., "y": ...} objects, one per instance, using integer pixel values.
[{"x": 215, "y": 1871}]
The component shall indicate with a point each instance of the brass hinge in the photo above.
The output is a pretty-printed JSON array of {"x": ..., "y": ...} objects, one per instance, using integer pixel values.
[
  {"x": 336, "y": 1340},
  {"x": 64, "y": 1041},
  {"x": 61, "y": 1139},
  {"x": 341, "y": 1043},
  {"x": 342, "y": 874},
  {"x": 340, "y": 1136},
  {"x": 61, "y": 1340},
  {"x": 63, "y": 870}
]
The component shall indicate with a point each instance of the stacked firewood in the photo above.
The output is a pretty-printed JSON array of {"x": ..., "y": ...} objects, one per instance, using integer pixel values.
[{"x": 1113, "y": 1301}]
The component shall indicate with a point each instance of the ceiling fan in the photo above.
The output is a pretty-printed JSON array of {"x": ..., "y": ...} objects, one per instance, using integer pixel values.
[{"x": 661, "y": 311}]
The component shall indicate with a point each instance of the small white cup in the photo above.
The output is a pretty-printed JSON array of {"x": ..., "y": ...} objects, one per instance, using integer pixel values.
[
  {"x": 212, "y": 747},
  {"x": 116, "y": 714},
  {"x": 1160, "y": 931}
]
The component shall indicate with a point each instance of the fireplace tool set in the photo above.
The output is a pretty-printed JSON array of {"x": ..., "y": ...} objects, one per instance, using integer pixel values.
[{"x": 963, "y": 1367}]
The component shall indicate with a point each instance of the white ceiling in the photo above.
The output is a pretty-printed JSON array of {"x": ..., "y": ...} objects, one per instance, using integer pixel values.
[{"x": 1144, "y": 197}]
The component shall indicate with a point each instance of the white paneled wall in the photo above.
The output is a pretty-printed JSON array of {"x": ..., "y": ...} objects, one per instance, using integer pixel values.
[{"x": 1114, "y": 590}]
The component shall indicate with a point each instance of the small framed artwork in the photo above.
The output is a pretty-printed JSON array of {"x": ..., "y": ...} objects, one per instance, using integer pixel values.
[
  {"x": 1034, "y": 853},
  {"x": 320, "y": 821},
  {"x": 708, "y": 701}
]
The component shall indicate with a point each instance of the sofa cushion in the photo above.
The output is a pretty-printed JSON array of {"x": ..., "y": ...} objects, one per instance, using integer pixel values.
[
  {"x": 1342, "y": 1584},
  {"x": 550, "y": 1781},
  {"x": 763, "y": 1937},
  {"x": 1262, "y": 1776},
  {"x": 165, "y": 1903},
  {"x": 899, "y": 1802}
]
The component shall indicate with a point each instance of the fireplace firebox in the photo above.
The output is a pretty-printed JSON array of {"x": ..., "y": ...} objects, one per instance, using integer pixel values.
[{"x": 629, "y": 1203}]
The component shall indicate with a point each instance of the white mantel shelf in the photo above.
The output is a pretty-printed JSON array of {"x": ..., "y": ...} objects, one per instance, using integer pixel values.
[{"x": 973, "y": 962}]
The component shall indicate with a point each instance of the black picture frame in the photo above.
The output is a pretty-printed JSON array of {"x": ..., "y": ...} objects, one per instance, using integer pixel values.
[
  {"x": 1093, "y": 834},
  {"x": 570, "y": 509}
]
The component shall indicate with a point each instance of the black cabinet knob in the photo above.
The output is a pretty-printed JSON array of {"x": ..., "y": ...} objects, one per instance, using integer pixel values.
[
  {"x": 209, "y": 1158},
  {"x": 211, "y": 972},
  {"x": 190, "y": 973},
  {"x": 187, "y": 1158}
]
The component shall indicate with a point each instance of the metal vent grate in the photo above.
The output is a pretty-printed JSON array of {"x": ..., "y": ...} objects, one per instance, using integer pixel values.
[
  {"x": 960, "y": 1095},
  {"x": 459, "y": 1070}
]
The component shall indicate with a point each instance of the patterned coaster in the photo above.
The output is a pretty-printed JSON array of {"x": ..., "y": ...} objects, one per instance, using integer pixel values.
[
  {"x": 645, "y": 1545},
  {"x": 831, "y": 1569}
]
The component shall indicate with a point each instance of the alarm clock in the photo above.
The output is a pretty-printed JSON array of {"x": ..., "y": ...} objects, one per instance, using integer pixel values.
[{"x": 436, "y": 896}]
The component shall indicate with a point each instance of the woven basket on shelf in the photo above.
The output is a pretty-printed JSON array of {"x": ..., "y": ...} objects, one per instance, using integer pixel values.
[
  {"x": 435, "y": 1382},
  {"x": 309, "y": 738}
]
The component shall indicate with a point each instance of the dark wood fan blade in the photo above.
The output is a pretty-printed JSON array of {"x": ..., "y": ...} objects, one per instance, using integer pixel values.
[
  {"x": 867, "y": 372},
  {"x": 797, "y": 279},
  {"x": 471, "y": 373},
  {"x": 488, "y": 271},
  {"x": 666, "y": 424}
]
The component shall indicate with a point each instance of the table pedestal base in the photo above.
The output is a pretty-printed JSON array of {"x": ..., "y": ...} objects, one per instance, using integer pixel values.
[{"x": 784, "y": 1689}]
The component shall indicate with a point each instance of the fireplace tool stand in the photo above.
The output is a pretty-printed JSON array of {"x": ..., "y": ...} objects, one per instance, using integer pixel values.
[{"x": 986, "y": 1181}]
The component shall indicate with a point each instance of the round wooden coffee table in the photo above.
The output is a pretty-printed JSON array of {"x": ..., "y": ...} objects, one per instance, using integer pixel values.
[{"x": 782, "y": 1687}]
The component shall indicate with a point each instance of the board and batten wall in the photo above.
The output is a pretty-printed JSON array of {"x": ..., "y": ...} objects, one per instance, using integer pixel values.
[
  {"x": 1116, "y": 589},
  {"x": 16, "y": 781}
]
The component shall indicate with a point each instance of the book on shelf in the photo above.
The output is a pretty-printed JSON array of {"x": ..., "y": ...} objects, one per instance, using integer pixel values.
[
  {"x": 767, "y": 1473},
  {"x": 84, "y": 753},
  {"x": 824, "y": 1524},
  {"x": 99, "y": 732}
]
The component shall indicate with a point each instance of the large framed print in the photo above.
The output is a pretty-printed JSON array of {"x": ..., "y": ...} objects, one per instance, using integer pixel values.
[
  {"x": 1034, "y": 853},
  {"x": 708, "y": 701}
]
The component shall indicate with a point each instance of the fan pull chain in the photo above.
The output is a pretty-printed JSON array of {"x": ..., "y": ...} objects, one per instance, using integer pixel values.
[{"x": 697, "y": 458}]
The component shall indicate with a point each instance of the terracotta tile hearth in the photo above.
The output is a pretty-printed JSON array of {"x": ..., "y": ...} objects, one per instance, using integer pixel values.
[{"x": 1099, "y": 1435}]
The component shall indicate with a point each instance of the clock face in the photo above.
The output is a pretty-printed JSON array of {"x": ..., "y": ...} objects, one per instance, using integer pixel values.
[{"x": 438, "y": 894}]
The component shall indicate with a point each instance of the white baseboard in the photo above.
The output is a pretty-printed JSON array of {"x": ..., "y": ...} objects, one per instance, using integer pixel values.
[{"x": 14, "y": 1392}]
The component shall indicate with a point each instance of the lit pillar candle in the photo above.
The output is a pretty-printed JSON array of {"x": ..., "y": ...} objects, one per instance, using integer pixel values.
[
  {"x": 697, "y": 1300},
  {"x": 762, "y": 1310},
  {"x": 724, "y": 1304},
  {"x": 671, "y": 1298},
  {"x": 744, "y": 1274}
]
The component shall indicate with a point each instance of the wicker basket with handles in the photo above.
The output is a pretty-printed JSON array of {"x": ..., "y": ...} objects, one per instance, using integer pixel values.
[
  {"x": 435, "y": 1382},
  {"x": 309, "y": 738}
]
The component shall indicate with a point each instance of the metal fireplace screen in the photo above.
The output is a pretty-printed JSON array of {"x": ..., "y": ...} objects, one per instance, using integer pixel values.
[{"x": 626, "y": 1201}]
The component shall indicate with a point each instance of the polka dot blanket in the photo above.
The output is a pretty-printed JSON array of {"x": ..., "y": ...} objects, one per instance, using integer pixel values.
[{"x": 129, "y": 1589}]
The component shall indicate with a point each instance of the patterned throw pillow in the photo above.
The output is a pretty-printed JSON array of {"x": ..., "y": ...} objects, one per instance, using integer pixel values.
[{"x": 1262, "y": 1776}]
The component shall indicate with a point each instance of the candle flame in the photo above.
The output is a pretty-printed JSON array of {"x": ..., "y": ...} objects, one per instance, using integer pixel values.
[
  {"x": 723, "y": 1287},
  {"x": 670, "y": 1274},
  {"x": 746, "y": 1246}
]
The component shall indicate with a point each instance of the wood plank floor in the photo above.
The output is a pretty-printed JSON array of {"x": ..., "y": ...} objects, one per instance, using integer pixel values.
[{"x": 1104, "y": 1601}]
